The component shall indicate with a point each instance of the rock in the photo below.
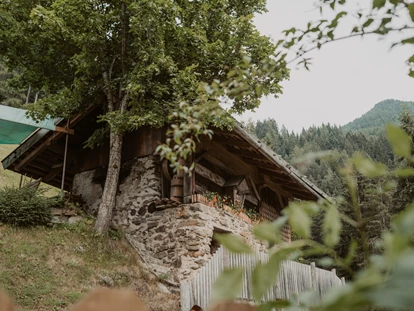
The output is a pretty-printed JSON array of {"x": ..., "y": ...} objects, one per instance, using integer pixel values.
[
  {"x": 142, "y": 211},
  {"x": 152, "y": 224},
  {"x": 74, "y": 219},
  {"x": 80, "y": 249},
  {"x": 160, "y": 229},
  {"x": 107, "y": 281},
  {"x": 59, "y": 219},
  {"x": 152, "y": 208},
  {"x": 163, "y": 288},
  {"x": 139, "y": 221},
  {"x": 161, "y": 255},
  {"x": 193, "y": 247},
  {"x": 188, "y": 223}
]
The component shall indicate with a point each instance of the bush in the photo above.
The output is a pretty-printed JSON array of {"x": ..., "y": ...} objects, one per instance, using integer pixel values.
[{"x": 25, "y": 207}]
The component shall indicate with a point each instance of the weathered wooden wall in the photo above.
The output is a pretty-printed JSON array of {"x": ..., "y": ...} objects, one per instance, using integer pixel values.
[
  {"x": 293, "y": 278},
  {"x": 140, "y": 143}
]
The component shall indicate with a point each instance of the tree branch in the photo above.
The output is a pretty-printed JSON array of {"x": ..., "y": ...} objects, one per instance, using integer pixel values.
[
  {"x": 343, "y": 38},
  {"x": 108, "y": 91}
]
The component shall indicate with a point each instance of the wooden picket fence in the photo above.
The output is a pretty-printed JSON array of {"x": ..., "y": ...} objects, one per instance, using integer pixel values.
[{"x": 293, "y": 278}]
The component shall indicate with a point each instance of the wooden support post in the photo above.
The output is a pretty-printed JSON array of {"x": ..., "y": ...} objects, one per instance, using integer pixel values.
[
  {"x": 313, "y": 275},
  {"x": 177, "y": 184},
  {"x": 188, "y": 184}
]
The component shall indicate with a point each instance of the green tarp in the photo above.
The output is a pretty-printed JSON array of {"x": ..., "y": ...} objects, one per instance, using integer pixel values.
[{"x": 15, "y": 126}]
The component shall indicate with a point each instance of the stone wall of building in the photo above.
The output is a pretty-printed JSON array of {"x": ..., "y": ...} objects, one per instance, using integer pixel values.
[
  {"x": 174, "y": 241},
  {"x": 178, "y": 241}
]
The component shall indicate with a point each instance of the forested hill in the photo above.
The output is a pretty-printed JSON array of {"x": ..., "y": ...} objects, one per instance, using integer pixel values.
[
  {"x": 382, "y": 113},
  {"x": 365, "y": 134}
]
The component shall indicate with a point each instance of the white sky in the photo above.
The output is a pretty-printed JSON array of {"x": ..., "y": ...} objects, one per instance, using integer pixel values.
[{"x": 347, "y": 78}]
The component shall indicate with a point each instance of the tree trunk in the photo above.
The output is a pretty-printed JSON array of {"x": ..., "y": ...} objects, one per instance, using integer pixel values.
[{"x": 104, "y": 218}]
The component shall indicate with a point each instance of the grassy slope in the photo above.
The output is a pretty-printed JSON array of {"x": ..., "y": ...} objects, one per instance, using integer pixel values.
[
  {"x": 51, "y": 268},
  {"x": 9, "y": 178}
]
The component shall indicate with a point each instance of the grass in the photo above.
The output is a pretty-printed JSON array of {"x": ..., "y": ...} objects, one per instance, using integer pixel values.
[
  {"x": 52, "y": 268},
  {"x": 9, "y": 178}
]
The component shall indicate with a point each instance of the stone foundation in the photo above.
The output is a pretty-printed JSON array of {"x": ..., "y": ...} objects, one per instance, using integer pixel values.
[{"x": 176, "y": 241}]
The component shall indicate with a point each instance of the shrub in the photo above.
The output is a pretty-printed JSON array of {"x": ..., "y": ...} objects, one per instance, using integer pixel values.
[{"x": 25, "y": 207}]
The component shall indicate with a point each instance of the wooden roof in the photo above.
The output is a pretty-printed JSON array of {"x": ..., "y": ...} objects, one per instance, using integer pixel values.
[
  {"x": 238, "y": 148},
  {"x": 235, "y": 151}
]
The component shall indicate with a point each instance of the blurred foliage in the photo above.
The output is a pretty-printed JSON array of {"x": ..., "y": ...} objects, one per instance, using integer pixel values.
[{"x": 386, "y": 275}]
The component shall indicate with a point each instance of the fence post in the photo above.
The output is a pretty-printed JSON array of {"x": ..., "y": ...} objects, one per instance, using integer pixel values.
[
  {"x": 343, "y": 281},
  {"x": 185, "y": 298},
  {"x": 313, "y": 275}
]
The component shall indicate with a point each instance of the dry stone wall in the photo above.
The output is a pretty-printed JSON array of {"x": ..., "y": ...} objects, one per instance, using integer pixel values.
[{"x": 174, "y": 241}]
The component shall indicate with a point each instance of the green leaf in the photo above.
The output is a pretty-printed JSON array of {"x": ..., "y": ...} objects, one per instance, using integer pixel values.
[
  {"x": 270, "y": 232},
  {"x": 408, "y": 41},
  {"x": 352, "y": 249},
  {"x": 299, "y": 220},
  {"x": 331, "y": 226},
  {"x": 325, "y": 262},
  {"x": 369, "y": 168},
  {"x": 405, "y": 172},
  {"x": 368, "y": 22},
  {"x": 377, "y": 4},
  {"x": 228, "y": 285},
  {"x": 411, "y": 73},
  {"x": 233, "y": 243},
  {"x": 411, "y": 11},
  {"x": 399, "y": 140},
  {"x": 265, "y": 275}
]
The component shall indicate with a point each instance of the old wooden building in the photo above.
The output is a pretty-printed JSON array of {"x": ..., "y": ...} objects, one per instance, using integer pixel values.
[{"x": 174, "y": 238}]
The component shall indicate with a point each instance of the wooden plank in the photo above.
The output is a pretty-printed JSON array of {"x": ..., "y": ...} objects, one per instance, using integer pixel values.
[
  {"x": 48, "y": 141},
  {"x": 205, "y": 172},
  {"x": 220, "y": 156},
  {"x": 230, "y": 141},
  {"x": 208, "y": 184},
  {"x": 188, "y": 185},
  {"x": 23, "y": 147},
  {"x": 53, "y": 173},
  {"x": 261, "y": 164}
]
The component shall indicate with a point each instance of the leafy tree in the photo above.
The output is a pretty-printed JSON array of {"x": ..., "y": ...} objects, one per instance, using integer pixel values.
[
  {"x": 9, "y": 96},
  {"x": 405, "y": 188},
  {"x": 141, "y": 60}
]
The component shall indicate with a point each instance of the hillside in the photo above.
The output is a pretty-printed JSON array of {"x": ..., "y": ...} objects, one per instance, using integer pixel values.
[
  {"x": 382, "y": 113},
  {"x": 9, "y": 178},
  {"x": 52, "y": 268}
]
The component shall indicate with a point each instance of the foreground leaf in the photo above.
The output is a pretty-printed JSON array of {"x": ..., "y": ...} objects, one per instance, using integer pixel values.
[
  {"x": 233, "y": 243},
  {"x": 228, "y": 285},
  {"x": 399, "y": 140}
]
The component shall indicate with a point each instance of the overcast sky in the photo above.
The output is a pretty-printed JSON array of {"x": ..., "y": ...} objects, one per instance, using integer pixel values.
[{"x": 347, "y": 78}]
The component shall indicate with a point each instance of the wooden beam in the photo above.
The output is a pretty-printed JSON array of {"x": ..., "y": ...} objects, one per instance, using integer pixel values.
[
  {"x": 256, "y": 192},
  {"x": 261, "y": 164},
  {"x": 231, "y": 142},
  {"x": 276, "y": 187},
  {"x": 39, "y": 149},
  {"x": 247, "y": 154},
  {"x": 219, "y": 155},
  {"x": 205, "y": 172},
  {"x": 64, "y": 130},
  {"x": 56, "y": 169}
]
